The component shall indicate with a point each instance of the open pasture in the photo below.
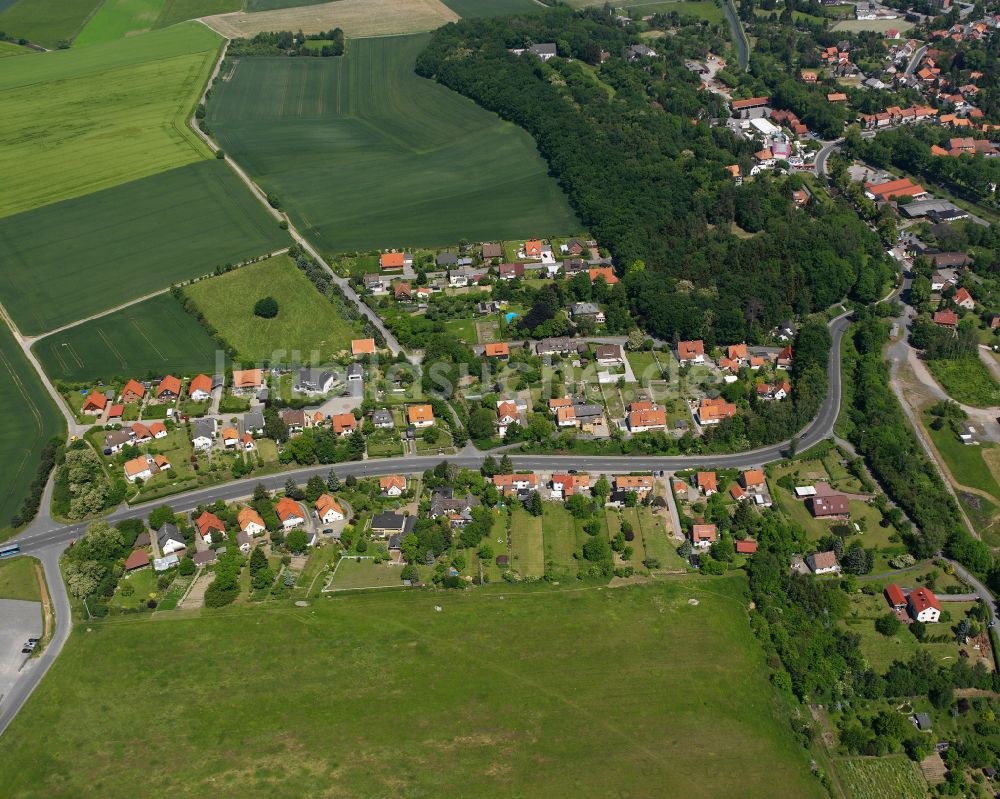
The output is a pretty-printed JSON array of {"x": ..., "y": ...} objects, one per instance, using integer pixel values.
[
  {"x": 85, "y": 119},
  {"x": 116, "y": 19},
  {"x": 306, "y": 323},
  {"x": 153, "y": 337},
  {"x": 357, "y": 18},
  {"x": 520, "y": 697},
  {"x": 45, "y": 22},
  {"x": 364, "y": 154},
  {"x": 30, "y": 419},
  {"x": 271, "y": 5},
  {"x": 68, "y": 261}
]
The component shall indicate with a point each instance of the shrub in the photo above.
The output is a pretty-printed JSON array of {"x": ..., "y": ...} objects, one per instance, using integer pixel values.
[
  {"x": 187, "y": 567},
  {"x": 888, "y": 624},
  {"x": 266, "y": 308}
]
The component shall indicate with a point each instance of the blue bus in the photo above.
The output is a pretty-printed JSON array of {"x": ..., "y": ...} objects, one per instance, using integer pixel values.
[{"x": 9, "y": 550}]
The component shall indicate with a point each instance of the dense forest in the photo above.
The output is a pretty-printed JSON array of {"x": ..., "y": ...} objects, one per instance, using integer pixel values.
[{"x": 631, "y": 144}]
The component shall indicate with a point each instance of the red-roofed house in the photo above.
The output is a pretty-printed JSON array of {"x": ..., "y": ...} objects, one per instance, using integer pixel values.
[
  {"x": 168, "y": 388},
  {"x": 924, "y": 606},
  {"x": 343, "y": 423},
  {"x": 691, "y": 351},
  {"x": 500, "y": 350},
  {"x": 209, "y": 523},
  {"x": 963, "y": 299},
  {"x": 392, "y": 261},
  {"x": 134, "y": 391},
  {"x": 652, "y": 419},
  {"x": 289, "y": 513},
  {"x": 746, "y": 547},
  {"x": 703, "y": 534},
  {"x": 708, "y": 482},
  {"x": 947, "y": 319},
  {"x": 329, "y": 510},
  {"x": 95, "y": 403},
  {"x": 247, "y": 381},
  {"x": 363, "y": 346},
  {"x": 200, "y": 388},
  {"x": 895, "y": 596},
  {"x": 603, "y": 271}
]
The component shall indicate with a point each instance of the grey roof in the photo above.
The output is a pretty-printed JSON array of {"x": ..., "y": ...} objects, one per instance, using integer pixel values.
[
  {"x": 142, "y": 540},
  {"x": 546, "y": 48},
  {"x": 313, "y": 379},
  {"x": 443, "y": 502},
  {"x": 639, "y": 51},
  {"x": 203, "y": 427},
  {"x": 168, "y": 532},
  {"x": 243, "y": 538},
  {"x": 355, "y": 369},
  {"x": 491, "y": 250},
  {"x": 204, "y": 558},
  {"x": 117, "y": 437},
  {"x": 372, "y": 280},
  {"x": 253, "y": 420},
  {"x": 446, "y": 259},
  {"x": 388, "y": 521},
  {"x": 586, "y": 410},
  {"x": 381, "y": 416},
  {"x": 395, "y": 540},
  {"x": 585, "y": 309},
  {"x": 923, "y": 721}
]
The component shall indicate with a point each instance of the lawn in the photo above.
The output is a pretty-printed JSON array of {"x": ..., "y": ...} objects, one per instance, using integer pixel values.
[
  {"x": 127, "y": 242},
  {"x": 363, "y": 153},
  {"x": 559, "y": 539},
  {"x": 697, "y": 9},
  {"x": 18, "y": 579},
  {"x": 46, "y": 22},
  {"x": 85, "y": 119},
  {"x": 966, "y": 463},
  {"x": 527, "y": 544},
  {"x": 366, "y": 573},
  {"x": 153, "y": 337},
  {"x": 501, "y": 698},
  {"x": 32, "y": 418},
  {"x": 895, "y": 777},
  {"x": 143, "y": 583},
  {"x": 966, "y": 380},
  {"x": 307, "y": 327}
]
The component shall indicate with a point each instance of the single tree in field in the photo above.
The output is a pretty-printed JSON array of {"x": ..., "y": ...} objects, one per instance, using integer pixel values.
[{"x": 266, "y": 308}]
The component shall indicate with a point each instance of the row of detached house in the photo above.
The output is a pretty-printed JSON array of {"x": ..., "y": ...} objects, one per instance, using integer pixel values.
[{"x": 112, "y": 404}]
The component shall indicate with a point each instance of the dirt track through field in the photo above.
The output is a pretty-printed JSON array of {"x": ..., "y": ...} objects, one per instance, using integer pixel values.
[{"x": 357, "y": 18}]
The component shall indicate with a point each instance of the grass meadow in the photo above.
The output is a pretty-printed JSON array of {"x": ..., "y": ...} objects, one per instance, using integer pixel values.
[
  {"x": 966, "y": 380},
  {"x": 152, "y": 337},
  {"x": 70, "y": 260},
  {"x": 18, "y": 579},
  {"x": 30, "y": 419},
  {"x": 8, "y": 49},
  {"x": 306, "y": 322},
  {"x": 85, "y": 119},
  {"x": 46, "y": 22},
  {"x": 379, "y": 695},
  {"x": 364, "y": 154},
  {"x": 271, "y": 5}
]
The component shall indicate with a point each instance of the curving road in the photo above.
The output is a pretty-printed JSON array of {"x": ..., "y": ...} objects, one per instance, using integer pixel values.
[
  {"x": 739, "y": 34},
  {"x": 35, "y": 540}
]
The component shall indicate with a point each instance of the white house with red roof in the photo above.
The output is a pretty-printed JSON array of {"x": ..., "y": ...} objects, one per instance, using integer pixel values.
[{"x": 924, "y": 606}]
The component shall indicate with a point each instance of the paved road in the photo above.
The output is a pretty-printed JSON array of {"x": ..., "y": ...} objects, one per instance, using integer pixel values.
[
  {"x": 915, "y": 60},
  {"x": 739, "y": 35},
  {"x": 37, "y": 667},
  {"x": 40, "y": 536},
  {"x": 819, "y": 165}
]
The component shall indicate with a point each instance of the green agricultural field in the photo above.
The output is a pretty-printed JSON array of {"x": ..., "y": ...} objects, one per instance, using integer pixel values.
[
  {"x": 488, "y": 699},
  {"x": 152, "y": 337},
  {"x": 175, "y": 11},
  {"x": 490, "y": 8},
  {"x": 363, "y": 153},
  {"x": 116, "y": 19},
  {"x": 18, "y": 579},
  {"x": 46, "y": 22},
  {"x": 306, "y": 323},
  {"x": 32, "y": 419},
  {"x": 85, "y": 119},
  {"x": 76, "y": 258}
]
